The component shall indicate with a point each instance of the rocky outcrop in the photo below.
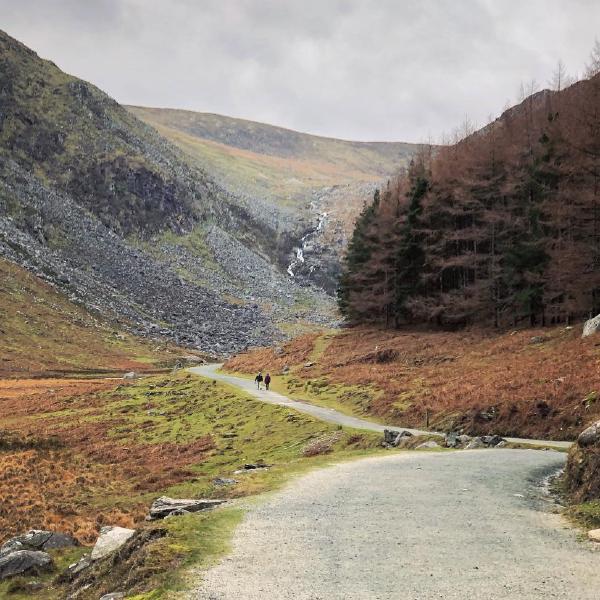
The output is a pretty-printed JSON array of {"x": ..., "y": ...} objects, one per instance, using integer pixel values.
[
  {"x": 165, "y": 507},
  {"x": 110, "y": 540},
  {"x": 25, "y": 562},
  {"x": 36, "y": 539},
  {"x": 582, "y": 473}
]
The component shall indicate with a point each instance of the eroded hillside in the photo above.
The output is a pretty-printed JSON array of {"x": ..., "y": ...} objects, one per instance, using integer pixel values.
[{"x": 99, "y": 204}]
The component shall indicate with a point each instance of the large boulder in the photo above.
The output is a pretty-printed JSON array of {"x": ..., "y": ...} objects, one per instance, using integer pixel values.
[
  {"x": 492, "y": 440},
  {"x": 451, "y": 440},
  {"x": 163, "y": 507},
  {"x": 392, "y": 437},
  {"x": 592, "y": 326},
  {"x": 475, "y": 444},
  {"x": 37, "y": 539},
  {"x": 29, "y": 562},
  {"x": 428, "y": 445},
  {"x": 589, "y": 436},
  {"x": 110, "y": 540}
]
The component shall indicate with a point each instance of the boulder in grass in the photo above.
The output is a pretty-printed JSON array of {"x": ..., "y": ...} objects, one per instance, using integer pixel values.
[
  {"x": 130, "y": 375},
  {"x": 589, "y": 436},
  {"x": 163, "y": 507},
  {"x": 37, "y": 539},
  {"x": 475, "y": 443},
  {"x": 110, "y": 540},
  {"x": 25, "y": 562},
  {"x": 492, "y": 440},
  {"x": 451, "y": 440},
  {"x": 428, "y": 445}
]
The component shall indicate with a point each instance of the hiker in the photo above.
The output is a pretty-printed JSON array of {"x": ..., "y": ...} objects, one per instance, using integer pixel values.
[
  {"x": 259, "y": 379},
  {"x": 267, "y": 381}
]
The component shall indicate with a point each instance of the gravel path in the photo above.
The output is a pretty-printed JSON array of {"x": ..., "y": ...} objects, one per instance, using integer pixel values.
[
  {"x": 324, "y": 414},
  {"x": 416, "y": 526}
]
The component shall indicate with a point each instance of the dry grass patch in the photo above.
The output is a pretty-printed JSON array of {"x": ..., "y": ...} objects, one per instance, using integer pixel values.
[{"x": 477, "y": 381}]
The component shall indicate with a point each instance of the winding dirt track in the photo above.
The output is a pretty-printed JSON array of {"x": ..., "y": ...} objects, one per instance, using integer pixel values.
[
  {"x": 326, "y": 414},
  {"x": 412, "y": 525}
]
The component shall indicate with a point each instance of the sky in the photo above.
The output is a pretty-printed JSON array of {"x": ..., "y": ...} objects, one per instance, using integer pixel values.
[{"x": 397, "y": 70}]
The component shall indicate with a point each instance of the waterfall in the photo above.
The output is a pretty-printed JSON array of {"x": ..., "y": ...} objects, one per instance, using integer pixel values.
[{"x": 305, "y": 243}]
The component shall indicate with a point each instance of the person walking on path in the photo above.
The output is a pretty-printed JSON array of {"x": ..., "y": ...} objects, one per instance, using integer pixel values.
[
  {"x": 259, "y": 379},
  {"x": 267, "y": 381}
]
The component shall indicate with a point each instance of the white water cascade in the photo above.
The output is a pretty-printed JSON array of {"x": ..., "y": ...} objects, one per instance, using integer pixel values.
[{"x": 305, "y": 244}]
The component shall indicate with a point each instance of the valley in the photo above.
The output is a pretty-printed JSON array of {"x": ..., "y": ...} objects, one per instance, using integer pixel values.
[{"x": 425, "y": 314}]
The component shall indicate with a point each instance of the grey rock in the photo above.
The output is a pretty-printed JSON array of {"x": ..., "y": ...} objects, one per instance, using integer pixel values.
[
  {"x": 537, "y": 339},
  {"x": 451, "y": 440},
  {"x": 74, "y": 569},
  {"x": 130, "y": 375},
  {"x": 389, "y": 435},
  {"x": 464, "y": 438},
  {"x": 491, "y": 440},
  {"x": 401, "y": 436},
  {"x": 475, "y": 443},
  {"x": 591, "y": 326},
  {"x": 392, "y": 437},
  {"x": 37, "y": 539},
  {"x": 165, "y": 506},
  {"x": 426, "y": 445},
  {"x": 30, "y": 562},
  {"x": 110, "y": 540},
  {"x": 113, "y": 596},
  {"x": 221, "y": 481},
  {"x": 589, "y": 436},
  {"x": 178, "y": 512}
]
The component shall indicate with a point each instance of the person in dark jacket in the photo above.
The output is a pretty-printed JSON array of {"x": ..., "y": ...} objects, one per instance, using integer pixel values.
[
  {"x": 258, "y": 379},
  {"x": 267, "y": 381}
]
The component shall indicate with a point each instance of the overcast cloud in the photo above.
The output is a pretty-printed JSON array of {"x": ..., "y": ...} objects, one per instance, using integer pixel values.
[{"x": 359, "y": 69}]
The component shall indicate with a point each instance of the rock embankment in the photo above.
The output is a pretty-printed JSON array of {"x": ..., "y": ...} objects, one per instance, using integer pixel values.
[{"x": 582, "y": 475}]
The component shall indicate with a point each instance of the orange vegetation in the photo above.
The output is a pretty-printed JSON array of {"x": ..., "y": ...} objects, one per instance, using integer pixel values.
[
  {"x": 57, "y": 458},
  {"x": 534, "y": 383}
]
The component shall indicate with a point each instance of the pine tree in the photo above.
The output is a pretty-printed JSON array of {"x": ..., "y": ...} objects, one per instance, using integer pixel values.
[{"x": 359, "y": 252}]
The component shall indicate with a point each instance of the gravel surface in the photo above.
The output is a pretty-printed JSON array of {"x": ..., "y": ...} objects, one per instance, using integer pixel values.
[
  {"x": 327, "y": 414},
  {"x": 457, "y": 525}
]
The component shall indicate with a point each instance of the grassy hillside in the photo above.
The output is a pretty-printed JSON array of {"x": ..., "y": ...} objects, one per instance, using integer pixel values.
[
  {"x": 534, "y": 383},
  {"x": 274, "y": 162},
  {"x": 43, "y": 333}
]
